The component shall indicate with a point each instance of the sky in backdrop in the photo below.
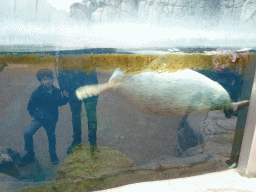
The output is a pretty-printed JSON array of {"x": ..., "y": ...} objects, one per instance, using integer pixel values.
[{"x": 63, "y": 4}]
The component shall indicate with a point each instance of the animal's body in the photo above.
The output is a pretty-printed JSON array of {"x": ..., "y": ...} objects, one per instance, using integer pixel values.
[
  {"x": 172, "y": 94},
  {"x": 185, "y": 92}
]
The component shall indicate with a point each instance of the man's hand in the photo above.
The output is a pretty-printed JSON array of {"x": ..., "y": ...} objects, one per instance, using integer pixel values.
[{"x": 65, "y": 93}]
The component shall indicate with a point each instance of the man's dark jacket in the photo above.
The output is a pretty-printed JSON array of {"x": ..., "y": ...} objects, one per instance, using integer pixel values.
[
  {"x": 71, "y": 80},
  {"x": 43, "y": 106}
]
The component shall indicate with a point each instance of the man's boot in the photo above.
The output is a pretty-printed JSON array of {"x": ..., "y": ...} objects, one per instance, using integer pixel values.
[
  {"x": 76, "y": 123},
  {"x": 92, "y": 130},
  {"x": 54, "y": 158},
  {"x": 28, "y": 158},
  {"x": 76, "y": 141},
  {"x": 53, "y": 155}
]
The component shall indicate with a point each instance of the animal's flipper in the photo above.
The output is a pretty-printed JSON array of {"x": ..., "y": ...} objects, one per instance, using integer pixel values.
[
  {"x": 90, "y": 91},
  {"x": 93, "y": 90},
  {"x": 235, "y": 106},
  {"x": 240, "y": 105}
]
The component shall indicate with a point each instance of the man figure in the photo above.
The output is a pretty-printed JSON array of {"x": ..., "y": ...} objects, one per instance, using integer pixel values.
[{"x": 70, "y": 80}]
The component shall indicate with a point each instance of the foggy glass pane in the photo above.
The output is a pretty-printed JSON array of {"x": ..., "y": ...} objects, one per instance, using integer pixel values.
[{"x": 105, "y": 93}]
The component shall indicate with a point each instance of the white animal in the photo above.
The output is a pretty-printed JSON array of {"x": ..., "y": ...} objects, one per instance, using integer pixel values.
[{"x": 185, "y": 92}]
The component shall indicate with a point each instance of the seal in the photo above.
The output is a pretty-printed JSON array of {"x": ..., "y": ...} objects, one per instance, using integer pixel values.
[{"x": 181, "y": 93}]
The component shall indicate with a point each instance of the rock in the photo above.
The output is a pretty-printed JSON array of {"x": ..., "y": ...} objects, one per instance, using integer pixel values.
[
  {"x": 216, "y": 115},
  {"x": 195, "y": 123},
  {"x": 214, "y": 134},
  {"x": 248, "y": 14},
  {"x": 32, "y": 172},
  {"x": 10, "y": 183},
  {"x": 217, "y": 123},
  {"x": 81, "y": 164},
  {"x": 220, "y": 144},
  {"x": 151, "y": 10},
  {"x": 228, "y": 124},
  {"x": 4, "y": 177},
  {"x": 197, "y": 129},
  {"x": 170, "y": 161},
  {"x": 199, "y": 149},
  {"x": 224, "y": 139},
  {"x": 217, "y": 148},
  {"x": 187, "y": 137},
  {"x": 8, "y": 162},
  {"x": 218, "y": 134},
  {"x": 104, "y": 13},
  {"x": 9, "y": 166}
]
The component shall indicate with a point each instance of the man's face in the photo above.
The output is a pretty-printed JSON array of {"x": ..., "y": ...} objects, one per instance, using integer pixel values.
[{"x": 47, "y": 82}]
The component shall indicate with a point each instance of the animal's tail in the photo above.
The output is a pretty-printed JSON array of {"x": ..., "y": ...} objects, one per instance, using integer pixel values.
[{"x": 93, "y": 90}]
